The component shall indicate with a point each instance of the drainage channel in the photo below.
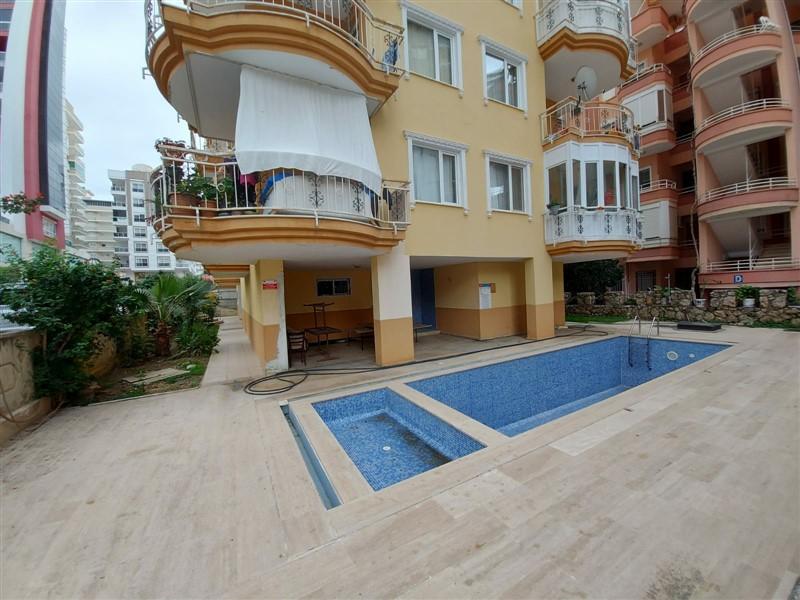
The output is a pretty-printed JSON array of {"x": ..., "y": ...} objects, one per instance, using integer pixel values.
[{"x": 318, "y": 475}]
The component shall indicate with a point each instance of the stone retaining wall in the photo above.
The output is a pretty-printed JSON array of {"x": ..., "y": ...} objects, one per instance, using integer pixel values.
[{"x": 676, "y": 305}]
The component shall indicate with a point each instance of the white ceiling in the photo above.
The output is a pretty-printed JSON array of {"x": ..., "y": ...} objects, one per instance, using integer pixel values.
[{"x": 561, "y": 68}]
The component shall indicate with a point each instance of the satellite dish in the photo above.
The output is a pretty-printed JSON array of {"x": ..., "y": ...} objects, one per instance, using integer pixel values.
[{"x": 586, "y": 83}]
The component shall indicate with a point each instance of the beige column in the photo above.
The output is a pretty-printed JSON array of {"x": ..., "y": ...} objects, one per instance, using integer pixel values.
[
  {"x": 268, "y": 313},
  {"x": 539, "y": 309},
  {"x": 559, "y": 308},
  {"x": 391, "y": 307}
]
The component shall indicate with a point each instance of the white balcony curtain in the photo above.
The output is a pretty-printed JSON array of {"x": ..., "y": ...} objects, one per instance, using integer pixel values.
[{"x": 292, "y": 123}]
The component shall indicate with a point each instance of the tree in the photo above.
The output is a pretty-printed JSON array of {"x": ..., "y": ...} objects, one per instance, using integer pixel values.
[
  {"x": 69, "y": 302},
  {"x": 594, "y": 276}
]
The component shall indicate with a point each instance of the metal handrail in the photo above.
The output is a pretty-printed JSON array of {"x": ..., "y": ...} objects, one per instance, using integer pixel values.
[
  {"x": 741, "y": 109},
  {"x": 686, "y": 137},
  {"x": 752, "y": 264},
  {"x": 732, "y": 35},
  {"x": 754, "y": 185},
  {"x": 352, "y": 20},
  {"x": 656, "y": 68},
  {"x": 587, "y": 118},
  {"x": 658, "y": 184}
]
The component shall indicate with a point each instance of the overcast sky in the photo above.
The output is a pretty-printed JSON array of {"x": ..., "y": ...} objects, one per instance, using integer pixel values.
[{"x": 122, "y": 113}]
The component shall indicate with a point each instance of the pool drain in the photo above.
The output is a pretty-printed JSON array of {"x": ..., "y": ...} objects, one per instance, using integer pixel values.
[
  {"x": 387, "y": 448},
  {"x": 672, "y": 355}
]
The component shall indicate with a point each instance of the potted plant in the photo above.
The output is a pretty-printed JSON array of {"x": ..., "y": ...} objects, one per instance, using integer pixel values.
[
  {"x": 197, "y": 191},
  {"x": 747, "y": 294},
  {"x": 553, "y": 208}
]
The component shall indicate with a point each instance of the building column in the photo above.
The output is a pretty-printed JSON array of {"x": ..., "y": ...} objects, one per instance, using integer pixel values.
[
  {"x": 559, "y": 308},
  {"x": 268, "y": 313},
  {"x": 540, "y": 314},
  {"x": 391, "y": 307}
]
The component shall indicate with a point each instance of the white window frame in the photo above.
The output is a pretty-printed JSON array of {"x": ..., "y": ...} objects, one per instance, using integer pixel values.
[
  {"x": 448, "y": 147},
  {"x": 49, "y": 228},
  {"x": 135, "y": 191},
  {"x": 135, "y": 235},
  {"x": 511, "y": 161},
  {"x": 139, "y": 218},
  {"x": 136, "y": 248},
  {"x": 649, "y": 174},
  {"x": 161, "y": 263},
  {"x": 440, "y": 25},
  {"x": 509, "y": 56},
  {"x": 518, "y": 4},
  {"x": 138, "y": 259}
]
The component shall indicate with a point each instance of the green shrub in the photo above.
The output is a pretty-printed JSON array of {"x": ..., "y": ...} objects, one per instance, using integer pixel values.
[
  {"x": 747, "y": 291},
  {"x": 197, "y": 339},
  {"x": 791, "y": 296},
  {"x": 630, "y": 302}
]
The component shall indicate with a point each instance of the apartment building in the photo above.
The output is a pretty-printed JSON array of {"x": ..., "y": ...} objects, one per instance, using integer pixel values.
[
  {"x": 32, "y": 133},
  {"x": 75, "y": 223},
  {"x": 136, "y": 246},
  {"x": 716, "y": 94},
  {"x": 405, "y": 164}
]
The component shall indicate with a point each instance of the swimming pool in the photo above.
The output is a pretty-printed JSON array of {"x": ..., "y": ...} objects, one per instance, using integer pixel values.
[
  {"x": 517, "y": 395},
  {"x": 389, "y": 438}
]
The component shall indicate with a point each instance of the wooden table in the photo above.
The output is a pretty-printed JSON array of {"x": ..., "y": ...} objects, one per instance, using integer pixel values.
[{"x": 320, "y": 330}]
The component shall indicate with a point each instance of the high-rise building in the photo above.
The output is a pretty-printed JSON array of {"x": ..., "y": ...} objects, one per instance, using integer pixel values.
[
  {"x": 136, "y": 246},
  {"x": 75, "y": 223},
  {"x": 99, "y": 235},
  {"x": 32, "y": 132},
  {"x": 717, "y": 97},
  {"x": 402, "y": 163}
]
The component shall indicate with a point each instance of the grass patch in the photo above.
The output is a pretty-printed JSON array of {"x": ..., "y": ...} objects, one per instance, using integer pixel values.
[
  {"x": 596, "y": 318},
  {"x": 787, "y": 325}
]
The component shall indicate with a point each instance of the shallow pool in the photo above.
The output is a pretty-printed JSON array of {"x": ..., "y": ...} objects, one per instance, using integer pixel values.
[{"x": 518, "y": 395}]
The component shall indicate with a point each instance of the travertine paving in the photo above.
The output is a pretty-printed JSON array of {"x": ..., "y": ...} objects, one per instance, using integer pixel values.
[{"x": 687, "y": 484}]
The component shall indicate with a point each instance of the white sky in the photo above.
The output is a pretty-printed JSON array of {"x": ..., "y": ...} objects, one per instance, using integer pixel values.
[{"x": 122, "y": 113}]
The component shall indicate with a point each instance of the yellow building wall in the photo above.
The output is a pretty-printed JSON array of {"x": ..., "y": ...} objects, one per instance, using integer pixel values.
[{"x": 345, "y": 313}]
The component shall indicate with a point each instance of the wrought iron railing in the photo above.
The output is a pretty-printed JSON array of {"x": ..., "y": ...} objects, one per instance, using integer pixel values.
[
  {"x": 352, "y": 20},
  {"x": 591, "y": 225},
  {"x": 587, "y": 118},
  {"x": 586, "y": 16},
  {"x": 732, "y": 35},
  {"x": 207, "y": 184},
  {"x": 741, "y": 109},
  {"x": 745, "y": 187}
]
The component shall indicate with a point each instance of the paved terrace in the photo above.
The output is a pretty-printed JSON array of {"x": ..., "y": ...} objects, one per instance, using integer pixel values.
[{"x": 686, "y": 485}]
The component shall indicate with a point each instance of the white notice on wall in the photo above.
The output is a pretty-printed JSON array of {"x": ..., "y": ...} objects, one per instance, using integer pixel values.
[{"x": 485, "y": 295}]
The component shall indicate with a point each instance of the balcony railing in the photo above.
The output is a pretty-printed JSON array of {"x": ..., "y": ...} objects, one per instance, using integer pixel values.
[
  {"x": 586, "y": 16},
  {"x": 593, "y": 225},
  {"x": 639, "y": 75},
  {"x": 752, "y": 264},
  {"x": 732, "y": 35},
  {"x": 745, "y": 187},
  {"x": 658, "y": 184},
  {"x": 378, "y": 40},
  {"x": 588, "y": 118},
  {"x": 741, "y": 109},
  {"x": 200, "y": 183}
]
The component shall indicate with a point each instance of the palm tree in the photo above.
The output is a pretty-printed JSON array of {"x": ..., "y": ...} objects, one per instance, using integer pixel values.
[{"x": 172, "y": 298}]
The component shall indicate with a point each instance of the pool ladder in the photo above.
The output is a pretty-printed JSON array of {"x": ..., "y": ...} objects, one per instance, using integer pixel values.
[{"x": 638, "y": 321}]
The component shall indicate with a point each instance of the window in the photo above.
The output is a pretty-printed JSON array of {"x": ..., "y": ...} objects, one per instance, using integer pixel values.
[
  {"x": 117, "y": 186},
  {"x": 576, "y": 182},
  {"x": 590, "y": 169},
  {"x": 634, "y": 192},
  {"x": 333, "y": 287},
  {"x": 504, "y": 74},
  {"x": 141, "y": 262},
  {"x": 139, "y": 218},
  {"x": 49, "y": 228},
  {"x": 623, "y": 185},
  {"x": 644, "y": 177},
  {"x": 609, "y": 183},
  {"x": 138, "y": 202},
  {"x": 437, "y": 168},
  {"x": 507, "y": 186},
  {"x": 139, "y": 232},
  {"x": 137, "y": 186},
  {"x": 645, "y": 280},
  {"x": 140, "y": 246},
  {"x": 162, "y": 249},
  {"x": 557, "y": 185},
  {"x": 433, "y": 45},
  {"x": 163, "y": 261}
]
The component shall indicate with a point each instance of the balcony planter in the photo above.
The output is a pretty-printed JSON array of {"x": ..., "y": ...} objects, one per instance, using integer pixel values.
[{"x": 190, "y": 202}]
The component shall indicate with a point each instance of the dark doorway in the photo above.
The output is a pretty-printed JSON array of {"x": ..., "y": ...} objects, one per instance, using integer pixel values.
[
  {"x": 683, "y": 279},
  {"x": 423, "y": 299}
]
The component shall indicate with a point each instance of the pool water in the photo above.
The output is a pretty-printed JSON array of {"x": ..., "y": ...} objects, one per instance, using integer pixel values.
[
  {"x": 391, "y": 439},
  {"x": 518, "y": 395}
]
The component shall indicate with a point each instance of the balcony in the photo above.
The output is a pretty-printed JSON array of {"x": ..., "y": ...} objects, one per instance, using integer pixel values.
[
  {"x": 644, "y": 78},
  {"x": 659, "y": 189},
  {"x": 208, "y": 211},
  {"x": 749, "y": 198},
  {"x": 195, "y": 50},
  {"x": 589, "y": 121},
  {"x": 586, "y": 33},
  {"x": 734, "y": 53},
  {"x": 743, "y": 124},
  {"x": 579, "y": 234},
  {"x": 650, "y": 25},
  {"x": 781, "y": 271}
]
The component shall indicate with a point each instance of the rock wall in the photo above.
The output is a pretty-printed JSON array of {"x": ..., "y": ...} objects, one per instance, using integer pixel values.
[{"x": 676, "y": 305}]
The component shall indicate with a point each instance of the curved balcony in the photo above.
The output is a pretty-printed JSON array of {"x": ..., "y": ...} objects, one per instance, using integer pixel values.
[
  {"x": 590, "y": 33},
  {"x": 650, "y": 26},
  {"x": 579, "y": 234},
  {"x": 742, "y": 124},
  {"x": 208, "y": 211},
  {"x": 749, "y": 198},
  {"x": 659, "y": 189},
  {"x": 195, "y": 49},
  {"x": 652, "y": 75},
  {"x": 589, "y": 121},
  {"x": 734, "y": 53}
]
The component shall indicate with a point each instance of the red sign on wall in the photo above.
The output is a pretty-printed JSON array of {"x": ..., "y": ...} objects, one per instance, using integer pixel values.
[{"x": 269, "y": 284}]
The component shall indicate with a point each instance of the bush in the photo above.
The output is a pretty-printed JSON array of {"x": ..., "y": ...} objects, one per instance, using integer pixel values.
[
  {"x": 197, "y": 339},
  {"x": 747, "y": 291},
  {"x": 595, "y": 276},
  {"x": 791, "y": 296},
  {"x": 629, "y": 302}
]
